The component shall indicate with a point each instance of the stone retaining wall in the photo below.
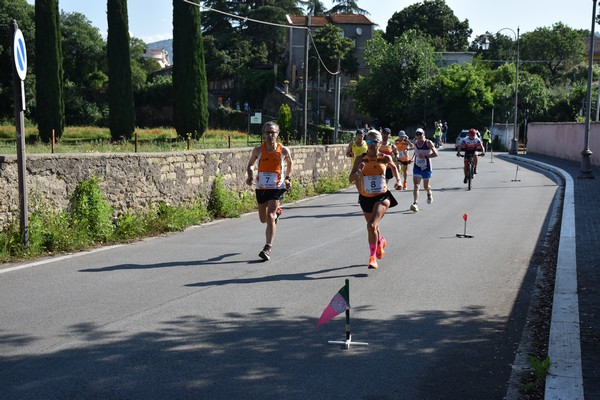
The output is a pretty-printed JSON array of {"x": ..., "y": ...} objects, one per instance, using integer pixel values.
[{"x": 136, "y": 181}]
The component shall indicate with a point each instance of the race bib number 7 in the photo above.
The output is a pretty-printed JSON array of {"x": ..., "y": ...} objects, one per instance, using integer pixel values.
[{"x": 267, "y": 180}]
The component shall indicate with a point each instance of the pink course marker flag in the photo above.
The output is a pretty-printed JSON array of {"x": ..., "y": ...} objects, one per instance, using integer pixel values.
[{"x": 337, "y": 305}]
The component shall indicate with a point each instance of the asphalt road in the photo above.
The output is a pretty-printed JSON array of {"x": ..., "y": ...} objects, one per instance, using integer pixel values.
[{"x": 196, "y": 315}]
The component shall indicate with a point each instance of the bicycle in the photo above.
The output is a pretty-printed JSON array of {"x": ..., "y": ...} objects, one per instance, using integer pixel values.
[{"x": 470, "y": 166}]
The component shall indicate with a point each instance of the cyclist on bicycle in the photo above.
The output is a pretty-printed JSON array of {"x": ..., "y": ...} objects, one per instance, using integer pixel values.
[{"x": 470, "y": 145}]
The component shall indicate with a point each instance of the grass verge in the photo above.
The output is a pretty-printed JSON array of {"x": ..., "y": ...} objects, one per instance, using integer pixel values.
[{"x": 90, "y": 220}]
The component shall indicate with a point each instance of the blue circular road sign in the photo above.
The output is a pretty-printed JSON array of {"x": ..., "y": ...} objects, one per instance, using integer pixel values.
[{"x": 20, "y": 54}]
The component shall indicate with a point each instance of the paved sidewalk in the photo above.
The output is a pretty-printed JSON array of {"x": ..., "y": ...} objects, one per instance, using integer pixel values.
[{"x": 587, "y": 237}]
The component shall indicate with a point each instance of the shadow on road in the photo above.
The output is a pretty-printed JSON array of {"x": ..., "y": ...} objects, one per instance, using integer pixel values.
[{"x": 262, "y": 355}]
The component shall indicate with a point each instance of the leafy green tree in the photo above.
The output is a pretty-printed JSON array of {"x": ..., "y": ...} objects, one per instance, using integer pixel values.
[
  {"x": 284, "y": 120},
  {"x": 333, "y": 48},
  {"x": 313, "y": 7},
  {"x": 140, "y": 67},
  {"x": 84, "y": 49},
  {"x": 434, "y": 19},
  {"x": 85, "y": 71},
  {"x": 120, "y": 90},
  {"x": 501, "y": 49},
  {"x": 346, "y": 7},
  {"x": 397, "y": 101},
  {"x": 23, "y": 13},
  {"x": 461, "y": 95},
  {"x": 555, "y": 51},
  {"x": 50, "y": 106},
  {"x": 190, "y": 87},
  {"x": 533, "y": 97},
  {"x": 567, "y": 102},
  {"x": 215, "y": 23},
  {"x": 272, "y": 36}
]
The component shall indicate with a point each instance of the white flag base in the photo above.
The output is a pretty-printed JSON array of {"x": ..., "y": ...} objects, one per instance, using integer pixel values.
[{"x": 348, "y": 342}]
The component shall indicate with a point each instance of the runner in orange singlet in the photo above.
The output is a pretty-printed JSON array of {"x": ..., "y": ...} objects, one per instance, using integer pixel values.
[
  {"x": 271, "y": 183},
  {"x": 368, "y": 173},
  {"x": 403, "y": 145},
  {"x": 387, "y": 147}
]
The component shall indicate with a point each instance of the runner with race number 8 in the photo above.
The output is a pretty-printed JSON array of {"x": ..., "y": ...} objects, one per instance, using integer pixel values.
[{"x": 368, "y": 174}]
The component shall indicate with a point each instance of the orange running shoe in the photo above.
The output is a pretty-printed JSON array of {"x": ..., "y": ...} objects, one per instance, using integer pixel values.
[
  {"x": 380, "y": 252},
  {"x": 404, "y": 186},
  {"x": 373, "y": 263}
]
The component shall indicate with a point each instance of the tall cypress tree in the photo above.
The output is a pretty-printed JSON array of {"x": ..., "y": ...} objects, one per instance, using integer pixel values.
[
  {"x": 121, "y": 114},
  {"x": 50, "y": 105},
  {"x": 190, "y": 108}
]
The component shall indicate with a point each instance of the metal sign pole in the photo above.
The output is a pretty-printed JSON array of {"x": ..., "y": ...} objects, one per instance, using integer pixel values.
[{"x": 19, "y": 72}]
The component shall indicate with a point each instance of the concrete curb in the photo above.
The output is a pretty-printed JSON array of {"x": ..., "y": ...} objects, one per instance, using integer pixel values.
[{"x": 565, "y": 380}]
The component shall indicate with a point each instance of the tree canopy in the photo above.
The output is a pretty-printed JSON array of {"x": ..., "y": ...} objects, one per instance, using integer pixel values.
[
  {"x": 50, "y": 105},
  {"x": 555, "y": 50},
  {"x": 346, "y": 7},
  {"x": 399, "y": 101},
  {"x": 332, "y": 48},
  {"x": 434, "y": 19}
]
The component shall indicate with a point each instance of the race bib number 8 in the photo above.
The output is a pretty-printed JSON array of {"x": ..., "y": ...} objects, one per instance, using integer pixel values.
[
  {"x": 267, "y": 180},
  {"x": 374, "y": 184}
]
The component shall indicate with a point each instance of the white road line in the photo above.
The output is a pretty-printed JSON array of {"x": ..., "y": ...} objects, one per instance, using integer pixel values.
[{"x": 56, "y": 259}]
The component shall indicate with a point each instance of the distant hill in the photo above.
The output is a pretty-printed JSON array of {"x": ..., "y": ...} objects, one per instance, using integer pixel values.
[{"x": 163, "y": 44}]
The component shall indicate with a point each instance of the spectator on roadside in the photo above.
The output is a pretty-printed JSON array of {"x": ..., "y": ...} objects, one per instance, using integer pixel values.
[
  {"x": 356, "y": 147},
  {"x": 444, "y": 132},
  {"x": 437, "y": 134},
  {"x": 486, "y": 138}
]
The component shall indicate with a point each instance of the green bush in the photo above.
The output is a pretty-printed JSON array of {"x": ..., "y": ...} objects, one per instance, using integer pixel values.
[
  {"x": 170, "y": 218},
  {"x": 91, "y": 214},
  {"x": 10, "y": 242},
  {"x": 131, "y": 225},
  {"x": 332, "y": 184},
  {"x": 284, "y": 121},
  {"x": 222, "y": 202},
  {"x": 50, "y": 231},
  {"x": 324, "y": 134},
  {"x": 89, "y": 221}
]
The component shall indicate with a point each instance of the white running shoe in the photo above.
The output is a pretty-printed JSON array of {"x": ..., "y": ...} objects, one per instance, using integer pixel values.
[{"x": 414, "y": 207}]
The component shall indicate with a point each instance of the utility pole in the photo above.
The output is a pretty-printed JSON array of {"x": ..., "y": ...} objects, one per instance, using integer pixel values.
[{"x": 305, "y": 95}]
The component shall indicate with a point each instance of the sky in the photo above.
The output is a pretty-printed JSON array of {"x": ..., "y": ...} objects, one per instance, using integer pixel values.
[{"x": 151, "y": 21}]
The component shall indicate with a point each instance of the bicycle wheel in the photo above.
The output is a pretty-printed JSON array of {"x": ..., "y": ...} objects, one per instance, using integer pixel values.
[{"x": 470, "y": 177}]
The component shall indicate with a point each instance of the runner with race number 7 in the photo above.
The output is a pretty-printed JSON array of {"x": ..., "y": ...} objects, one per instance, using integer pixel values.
[{"x": 271, "y": 181}]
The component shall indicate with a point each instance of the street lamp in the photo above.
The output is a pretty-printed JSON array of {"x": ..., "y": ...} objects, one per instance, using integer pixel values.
[
  {"x": 586, "y": 153},
  {"x": 485, "y": 46}
]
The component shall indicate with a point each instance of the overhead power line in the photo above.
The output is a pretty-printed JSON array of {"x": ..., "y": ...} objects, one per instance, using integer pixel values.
[{"x": 246, "y": 19}]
